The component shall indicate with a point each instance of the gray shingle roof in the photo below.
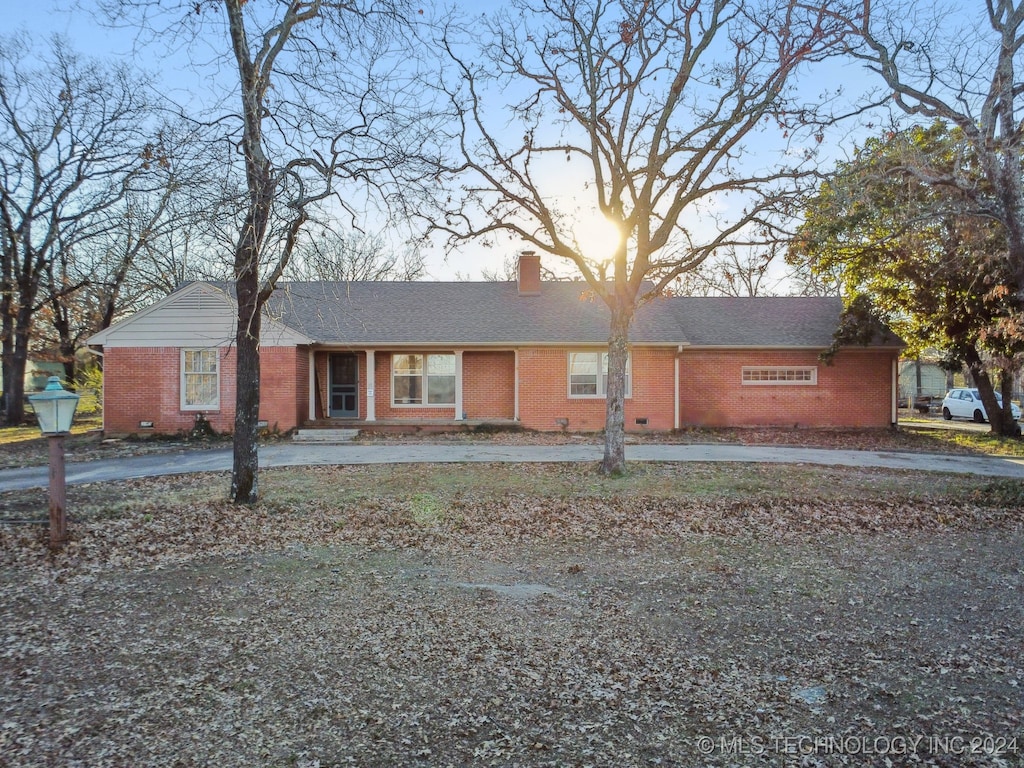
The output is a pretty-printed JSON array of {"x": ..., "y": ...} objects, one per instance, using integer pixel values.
[
  {"x": 493, "y": 313},
  {"x": 783, "y": 321},
  {"x": 369, "y": 313}
]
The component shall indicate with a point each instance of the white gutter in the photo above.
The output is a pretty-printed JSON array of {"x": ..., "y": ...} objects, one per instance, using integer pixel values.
[{"x": 675, "y": 392}]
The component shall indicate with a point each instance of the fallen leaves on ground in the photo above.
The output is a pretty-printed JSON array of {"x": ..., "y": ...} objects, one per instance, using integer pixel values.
[{"x": 516, "y": 629}]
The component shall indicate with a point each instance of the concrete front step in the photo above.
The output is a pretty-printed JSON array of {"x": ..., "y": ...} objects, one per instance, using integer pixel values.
[{"x": 325, "y": 435}]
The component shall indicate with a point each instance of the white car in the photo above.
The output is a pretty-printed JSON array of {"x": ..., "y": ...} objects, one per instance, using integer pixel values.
[{"x": 966, "y": 403}]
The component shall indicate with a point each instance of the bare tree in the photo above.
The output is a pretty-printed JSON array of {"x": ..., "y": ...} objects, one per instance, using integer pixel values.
[
  {"x": 194, "y": 238},
  {"x": 354, "y": 256},
  {"x": 72, "y": 143},
  {"x": 313, "y": 92},
  {"x": 114, "y": 262},
  {"x": 732, "y": 272},
  {"x": 509, "y": 272},
  {"x": 506, "y": 273},
  {"x": 264, "y": 181},
  {"x": 647, "y": 106},
  {"x": 90, "y": 284},
  {"x": 804, "y": 281}
]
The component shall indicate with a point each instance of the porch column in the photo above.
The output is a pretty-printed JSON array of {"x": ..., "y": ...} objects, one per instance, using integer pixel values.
[
  {"x": 371, "y": 378},
  {"x": 458, "y": 385},
  {"x": 312, "y": 385},
  {"x": 515, "y": 387}
]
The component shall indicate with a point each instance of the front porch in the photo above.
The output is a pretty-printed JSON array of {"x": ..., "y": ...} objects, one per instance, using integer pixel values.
[{"x": 389, "y": 390}]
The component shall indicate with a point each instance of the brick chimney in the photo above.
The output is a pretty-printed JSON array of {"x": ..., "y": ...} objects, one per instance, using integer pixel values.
[{"x": 529, "y": 274}]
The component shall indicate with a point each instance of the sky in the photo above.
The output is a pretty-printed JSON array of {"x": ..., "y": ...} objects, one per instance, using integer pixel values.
[
  {"x": 89, "y": 37},
  {"x": 43, "y": 17}
]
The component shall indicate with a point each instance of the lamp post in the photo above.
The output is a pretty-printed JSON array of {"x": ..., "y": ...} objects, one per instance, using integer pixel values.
[{"x": 55, "y": 408}]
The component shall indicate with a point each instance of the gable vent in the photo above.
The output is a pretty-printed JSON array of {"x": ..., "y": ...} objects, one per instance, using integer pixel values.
[{"x": 196, "y": 301}]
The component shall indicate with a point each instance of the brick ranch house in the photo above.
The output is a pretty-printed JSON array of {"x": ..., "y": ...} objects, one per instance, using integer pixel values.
[{"x": 380, "y": 355}]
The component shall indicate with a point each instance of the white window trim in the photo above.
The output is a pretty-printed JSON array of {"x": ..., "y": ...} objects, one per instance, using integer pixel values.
[
  {"x": 601, "y": 377},
  {"x": 424, "y": 375},
  {"x": 215, "y": 406},
  {"x": 779, "y": 370}
]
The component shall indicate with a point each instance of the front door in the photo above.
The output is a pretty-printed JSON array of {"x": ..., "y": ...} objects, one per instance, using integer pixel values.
[{"x": 344, "y": 386}]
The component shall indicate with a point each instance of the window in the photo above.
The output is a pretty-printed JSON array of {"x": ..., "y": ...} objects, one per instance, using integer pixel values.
[
  {"x": 423, "y": 380},
  {"x": 200, "y": 379},
  {"x": 780, "y": 376},
  {"x": 588, "y": 374}
]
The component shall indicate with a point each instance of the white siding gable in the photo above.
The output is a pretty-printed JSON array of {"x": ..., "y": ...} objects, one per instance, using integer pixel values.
[{"x": 198, "y": 315}]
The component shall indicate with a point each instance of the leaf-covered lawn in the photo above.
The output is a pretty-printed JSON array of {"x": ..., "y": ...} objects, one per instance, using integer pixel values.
[{"x": 519, "y": 615}]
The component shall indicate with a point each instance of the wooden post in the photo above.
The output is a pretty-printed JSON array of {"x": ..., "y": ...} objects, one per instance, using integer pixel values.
[{"x": 58, "y": 493}]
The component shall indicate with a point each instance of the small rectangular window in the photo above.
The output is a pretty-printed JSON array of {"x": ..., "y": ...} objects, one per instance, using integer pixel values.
[
  {"x": 200, "y": 379},
  {"x": 779, "y": 375}
]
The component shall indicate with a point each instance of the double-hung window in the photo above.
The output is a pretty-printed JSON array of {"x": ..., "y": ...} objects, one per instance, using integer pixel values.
[
  {"x": 200, "y": 379},
  {"x": 588, "y": 374},
  {"x": 423, "y": 380}
]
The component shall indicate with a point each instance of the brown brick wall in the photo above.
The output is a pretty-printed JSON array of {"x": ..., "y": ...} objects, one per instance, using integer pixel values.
[
  {"x": 489, "y": 385},
  {"x": 544, "y": 392},
  {"x": 283, "y": 384},
  {"x": 854, "y": 392},
  {"x": 143, "y": 384}
]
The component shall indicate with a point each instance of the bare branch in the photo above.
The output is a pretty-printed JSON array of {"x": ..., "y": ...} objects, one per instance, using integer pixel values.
[{"x": 638, "y": 113}]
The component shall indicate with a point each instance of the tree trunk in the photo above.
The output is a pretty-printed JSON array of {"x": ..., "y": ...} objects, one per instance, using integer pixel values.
[
  {"x": 7, "y": 354},
  {"x": 245, "y": 466},
  {"x": 70, "y": 367},
  {"x": 6, "y": 325},
  {"x": 65, "y": 340},
  {"x": 14, "y": 385},
  {"x": 1000, "y": 417},
  {"x": 614, "y": 462},
  {"x": 14, "y": 368},
  {"x": 1010, "y": 427}
]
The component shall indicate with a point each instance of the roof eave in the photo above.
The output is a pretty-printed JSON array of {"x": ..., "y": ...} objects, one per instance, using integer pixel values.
[
  {"x": 799, "y": 347},
  {"x": 485, "y": 344}
]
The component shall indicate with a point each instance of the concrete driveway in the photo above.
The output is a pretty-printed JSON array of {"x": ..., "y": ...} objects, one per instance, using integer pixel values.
[{"x": 284, "y": 454}]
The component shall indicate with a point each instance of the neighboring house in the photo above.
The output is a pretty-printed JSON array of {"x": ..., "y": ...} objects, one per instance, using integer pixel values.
[
  {"x": 434, "y": 355},
  {"x": 923, "y": 381},
  {"x": 37, "y": 373}
]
